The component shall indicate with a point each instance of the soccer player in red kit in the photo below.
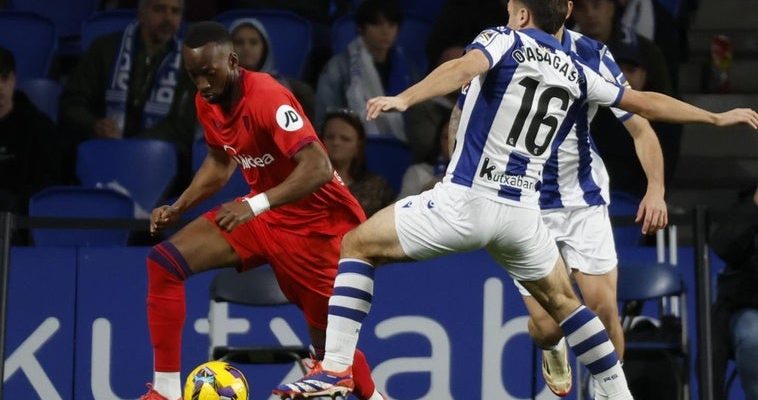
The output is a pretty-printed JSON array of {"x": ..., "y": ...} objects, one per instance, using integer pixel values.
[{"x": 294, "y": 218}]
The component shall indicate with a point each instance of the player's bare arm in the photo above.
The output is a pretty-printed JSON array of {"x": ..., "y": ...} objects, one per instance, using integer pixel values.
[
  {"x": 212, "y": 175},
  {"x": 446, "y": 78},
  {"x": 652, "y": 211},
  {"x": 313, "y": 171},
  {"x": 659, "y": 107}
]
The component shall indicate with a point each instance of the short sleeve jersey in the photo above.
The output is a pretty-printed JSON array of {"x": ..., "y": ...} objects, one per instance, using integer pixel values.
[
  {"x": 575, "y": 175},
  {"x": 513, "y": 115},
  {"x": 262, "y": 134}
]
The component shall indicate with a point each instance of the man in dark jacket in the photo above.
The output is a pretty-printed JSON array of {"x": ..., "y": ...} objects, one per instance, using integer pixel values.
[
  {"x": 735, "y": 313},
  {"x": 28, "y": 148},
  {"x": 131, "y": 84}
]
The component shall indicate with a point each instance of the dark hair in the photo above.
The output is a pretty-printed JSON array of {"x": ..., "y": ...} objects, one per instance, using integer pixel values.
[
  {"x": 369, "y": 12},
  {"x": 358, "y": 163},
  {"x": 548, "y": 15},
  {"x": 7, "y": 62},
  {"x": 201, "y": 33}
]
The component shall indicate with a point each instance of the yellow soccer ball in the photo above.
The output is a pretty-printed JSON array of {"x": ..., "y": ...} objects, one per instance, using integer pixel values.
[{"x": 216, "y": 380}]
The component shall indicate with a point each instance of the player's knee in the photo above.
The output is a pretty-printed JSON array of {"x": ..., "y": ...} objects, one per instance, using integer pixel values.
[
  {"x": 350, "y": 247},
  {"x": 166, "y": 259}
]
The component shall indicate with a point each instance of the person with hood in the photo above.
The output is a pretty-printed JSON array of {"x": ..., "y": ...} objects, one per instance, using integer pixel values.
[{"x": 253, "y": 47}]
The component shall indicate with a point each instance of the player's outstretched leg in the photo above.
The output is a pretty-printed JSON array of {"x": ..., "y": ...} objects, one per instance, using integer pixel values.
[
  {"x": 348, "y": 307},
  {"x": 197, "y": 247},
  {"x": 583, "y": 330},
  {"x": 373, "y": 242},
  {"x": 166, "y": 272}
]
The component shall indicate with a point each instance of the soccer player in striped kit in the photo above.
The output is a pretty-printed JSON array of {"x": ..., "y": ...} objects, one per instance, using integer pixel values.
[
  {"x": 524, "y": 91},
  {"x": 574, "y": 200}
]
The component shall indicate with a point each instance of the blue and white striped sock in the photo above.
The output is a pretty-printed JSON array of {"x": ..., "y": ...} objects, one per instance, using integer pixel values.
[
  {"x": 589, "y": 340},
  {"x": 348, "y": 307}
]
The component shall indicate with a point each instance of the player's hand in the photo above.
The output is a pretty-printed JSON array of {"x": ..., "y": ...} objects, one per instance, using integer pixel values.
[
  {"x": 653, "y": 212},
  {"x": 163, "y": 217},
  {"x": 107, "y": 128},
  {"x": 377, "y": 105},
  {"x": 738, "y": 116},
  {"x": 232, "y": 214}
]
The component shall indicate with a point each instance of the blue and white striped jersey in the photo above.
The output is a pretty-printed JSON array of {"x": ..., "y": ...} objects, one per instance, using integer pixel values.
[
  {"x": 513, "y": 114},
  {"x": 575, "y": 175}
]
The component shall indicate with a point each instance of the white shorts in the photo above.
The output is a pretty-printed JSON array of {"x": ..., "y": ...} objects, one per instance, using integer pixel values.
[
  {"x": 584, "y": 237},
  {"x": 449, "y": 218}
]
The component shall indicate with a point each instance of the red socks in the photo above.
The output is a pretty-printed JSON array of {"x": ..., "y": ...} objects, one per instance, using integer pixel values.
[
  {"x": 364, "y": 383},
  {"x": 166, "y": 311}
]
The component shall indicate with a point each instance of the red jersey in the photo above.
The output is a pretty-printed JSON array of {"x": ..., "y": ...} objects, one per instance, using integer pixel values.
[{"x": 262, "y": 134}]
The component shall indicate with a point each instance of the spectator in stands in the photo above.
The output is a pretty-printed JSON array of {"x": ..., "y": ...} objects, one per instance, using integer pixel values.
[
  {"x": 595, "y": 18},
  {"x": 345, "y": 141},
  {"x": 131, "y": 84},
  {"x": 735, "y": 313},
  {"x": 371, "y": 66},
  {"x": 664, "y": 22},
  {"x": 253, "y": 46},
  {"x": 28, "y": 148},
  {"x": 423, "y": 119},
  {"x": 422, "y": 176}
]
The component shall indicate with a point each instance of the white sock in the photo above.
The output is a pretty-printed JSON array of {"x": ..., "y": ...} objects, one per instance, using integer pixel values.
[
  {"x": 348, "y": 307},
  {"x": 588, "y": 339},
  {"x": 168, "y": 384},
  {"x": 597, "y": 390}
]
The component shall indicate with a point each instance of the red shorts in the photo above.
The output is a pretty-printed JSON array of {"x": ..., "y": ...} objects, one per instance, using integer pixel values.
[{"x": 305, "y": 265}]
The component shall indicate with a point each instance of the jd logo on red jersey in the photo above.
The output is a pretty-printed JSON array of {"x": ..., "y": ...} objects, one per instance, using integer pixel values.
[
  {"x": 247, "y": 161},
  {"x": 288, "y": 119}
]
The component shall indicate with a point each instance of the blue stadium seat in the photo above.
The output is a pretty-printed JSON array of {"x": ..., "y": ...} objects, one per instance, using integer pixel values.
[
  {"x": 105, "y": 22},
  {"x": 648, "y": 281},
  {"x": 145, "y": 168},
  {"x": 412, "y": 37},
  {"x": 290, "y": 34},
  {"x": 81, "y": 202},
  {"x": 32, "y": 40},
  {"x": 67, "y": 15},
  {"x": 236, "y": 187},
  {"x": 624, "y": 205},
  {"x": 389, "y": 158},
  {"x": 428, "y": 10},
  {"x": 343, "y": 32},
  {"x": 669, "y": 342},
  {"x": 44, "y": 94}
]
